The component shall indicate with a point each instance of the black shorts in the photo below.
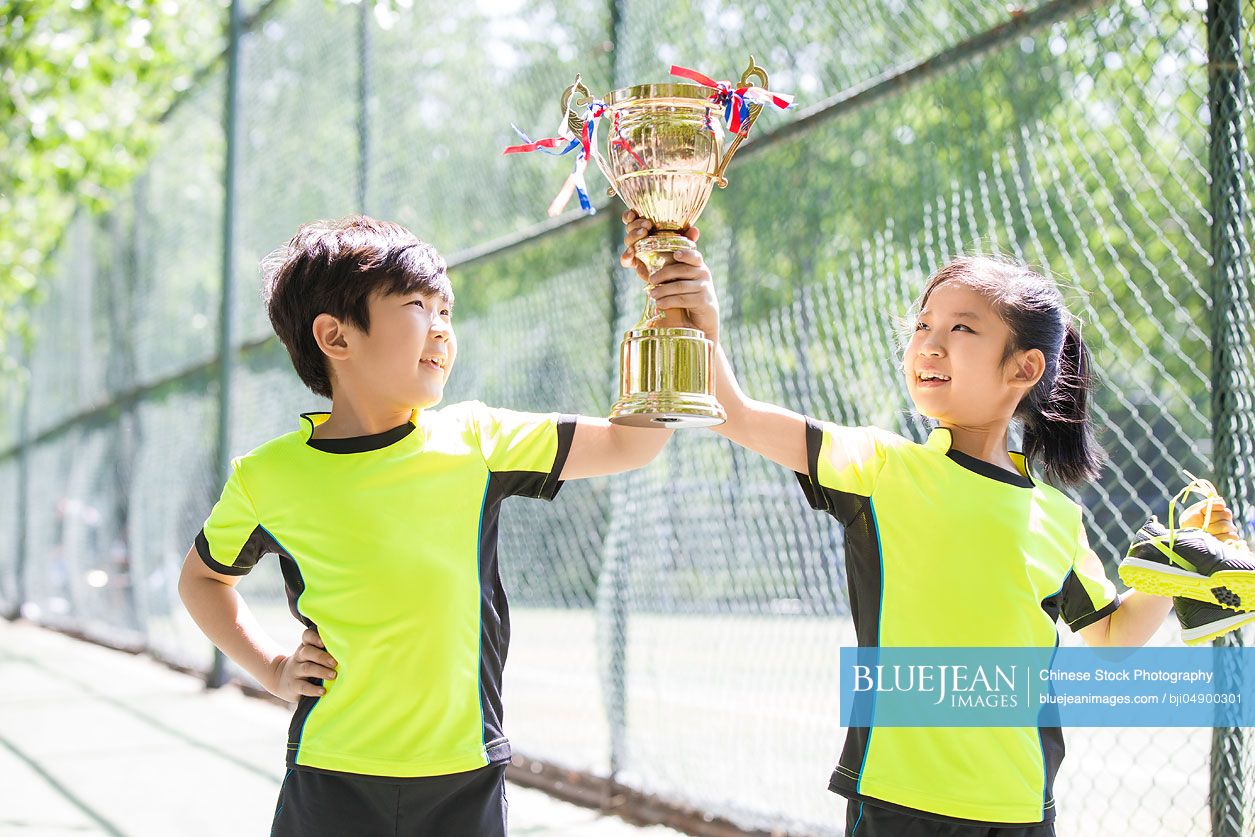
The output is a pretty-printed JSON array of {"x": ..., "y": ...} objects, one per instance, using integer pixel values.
[
  {"x": 313, "y": 803},
  {"x": 862, "y": 819}
]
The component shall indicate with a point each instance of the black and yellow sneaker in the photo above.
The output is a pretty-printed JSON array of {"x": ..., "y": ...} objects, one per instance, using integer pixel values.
[
  {"x": 1190, "y": 563},
  {"x": 1202, "y": 622},
  {"x": 1167, "y": 561}
]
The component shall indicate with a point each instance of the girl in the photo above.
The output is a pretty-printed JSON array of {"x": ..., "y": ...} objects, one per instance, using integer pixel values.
[{"x": 956, "y": 542}]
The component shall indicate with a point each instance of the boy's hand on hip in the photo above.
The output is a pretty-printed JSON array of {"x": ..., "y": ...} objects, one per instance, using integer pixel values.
[{"x": 310, "y": 660}]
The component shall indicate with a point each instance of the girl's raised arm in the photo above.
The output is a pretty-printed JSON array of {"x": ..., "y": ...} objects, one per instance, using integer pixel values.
[
  {"x": 788, "y": 438},
  {"x": 767, "y": 429}
]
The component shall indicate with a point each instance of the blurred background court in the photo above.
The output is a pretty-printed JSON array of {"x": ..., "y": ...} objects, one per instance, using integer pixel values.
[{"x": 676, "y": 630}]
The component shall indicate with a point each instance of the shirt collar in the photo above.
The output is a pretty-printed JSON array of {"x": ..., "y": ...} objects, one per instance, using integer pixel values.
[
  {"x": 355, "y": 444},
  {"x": 940, "y": 440}
]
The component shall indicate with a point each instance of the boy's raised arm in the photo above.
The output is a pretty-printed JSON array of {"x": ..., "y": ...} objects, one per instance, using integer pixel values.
[{"x": 600, "y": 448}]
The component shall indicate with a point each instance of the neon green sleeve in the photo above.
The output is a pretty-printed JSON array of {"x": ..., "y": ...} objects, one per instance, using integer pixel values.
[
  {"x": 843, "y": 462},
  {"x": 525, "y": 451},
  {"x": 232, "y": 540}
]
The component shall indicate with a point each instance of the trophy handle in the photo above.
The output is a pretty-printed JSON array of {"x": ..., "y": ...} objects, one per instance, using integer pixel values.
[
  {"x": 751, "y": 72},
  {"x": 569, "y": 112},
  {"x": 575, "y": 122}
]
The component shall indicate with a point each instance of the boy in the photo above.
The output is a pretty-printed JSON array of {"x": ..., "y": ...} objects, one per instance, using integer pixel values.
[{"x": 383, "y": 514}]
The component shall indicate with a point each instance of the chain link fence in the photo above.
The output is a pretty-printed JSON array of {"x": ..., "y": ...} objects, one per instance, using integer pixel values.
[{"x": 676, "y": 629}]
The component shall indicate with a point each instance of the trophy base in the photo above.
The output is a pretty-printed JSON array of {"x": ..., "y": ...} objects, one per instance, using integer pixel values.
[
  {"x": 670, "y": 410},
  {"x": 666, "y": 381}
]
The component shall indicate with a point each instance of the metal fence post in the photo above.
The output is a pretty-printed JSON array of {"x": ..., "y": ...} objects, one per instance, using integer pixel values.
[
  {"x": 363, "y": 104},
  {"x": 23, "y": 489},
  {"x": 617, "y": 704},
  {"x": 613, "y": 583},
  {"x": 1232, "y": 350},
  {"x": 226, "y": 311}
]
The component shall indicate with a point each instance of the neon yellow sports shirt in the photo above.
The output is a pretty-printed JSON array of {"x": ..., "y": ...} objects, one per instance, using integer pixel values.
[
  {"x": 946, "y": 550},
  {"x": 388, "y": 546}
]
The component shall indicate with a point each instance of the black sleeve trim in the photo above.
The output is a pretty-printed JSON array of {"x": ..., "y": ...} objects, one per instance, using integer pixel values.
[
  {"x": 542, "y": 485},
  {"x": 250, "y": 553},
  {"x": 566, "y": 435},
  {"x": 1097, "y": 616},
  {"x": 815, "y": 493},
  {"x": 202, "y": 549},
  {"x": 1077, "y": 607}
]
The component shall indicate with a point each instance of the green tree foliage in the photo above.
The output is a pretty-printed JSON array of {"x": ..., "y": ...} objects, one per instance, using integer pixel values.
[{"x": 82, "y": 85}]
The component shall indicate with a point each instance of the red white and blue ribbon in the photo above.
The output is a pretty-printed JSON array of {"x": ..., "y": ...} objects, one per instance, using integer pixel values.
[
  {"x": 735, "y": 101},
  {"x": 586, "y": 142},
  {"x": 558, "y": 147}
]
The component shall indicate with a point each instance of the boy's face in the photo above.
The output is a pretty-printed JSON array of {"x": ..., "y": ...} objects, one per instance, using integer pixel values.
[
  {"x": 959, "y": 335},
  {"x": 408, "y": 353}
]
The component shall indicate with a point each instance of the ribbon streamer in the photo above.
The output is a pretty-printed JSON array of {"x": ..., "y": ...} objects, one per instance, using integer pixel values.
[
  {"x": 543, "y": 145},
  {"x": 575, "y": 180},
  {"x": 586, "y": 142},
  {"x": 735, "y": 100}
]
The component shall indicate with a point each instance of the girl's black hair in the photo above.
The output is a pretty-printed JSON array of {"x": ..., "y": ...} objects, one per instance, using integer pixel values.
[{"x": 1055, "y": 412}]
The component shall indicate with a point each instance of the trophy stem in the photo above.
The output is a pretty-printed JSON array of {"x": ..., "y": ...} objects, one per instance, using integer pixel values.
[
  {"x": 655, "y": 251},
  {"x": 651, "y": 315}
]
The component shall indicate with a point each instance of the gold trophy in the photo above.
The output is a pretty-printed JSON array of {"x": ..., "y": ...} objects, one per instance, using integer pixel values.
[{"x": 663, "y": 157}]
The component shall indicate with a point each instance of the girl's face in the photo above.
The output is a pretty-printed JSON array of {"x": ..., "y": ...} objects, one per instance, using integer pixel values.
[{"x": 959, "y": 337}]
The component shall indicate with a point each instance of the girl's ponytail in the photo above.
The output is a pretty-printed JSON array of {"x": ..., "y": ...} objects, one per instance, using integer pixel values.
[{"x": 1057, "y": 429}]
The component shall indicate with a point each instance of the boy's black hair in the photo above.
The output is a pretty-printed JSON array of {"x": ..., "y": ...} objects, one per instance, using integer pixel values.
[
  {"x": 333, "y": 267},
  {"x": 1055, "y": 414}
]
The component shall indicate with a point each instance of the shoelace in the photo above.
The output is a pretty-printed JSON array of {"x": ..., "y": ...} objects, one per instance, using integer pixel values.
[{"x": 1206, "y": 490}]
